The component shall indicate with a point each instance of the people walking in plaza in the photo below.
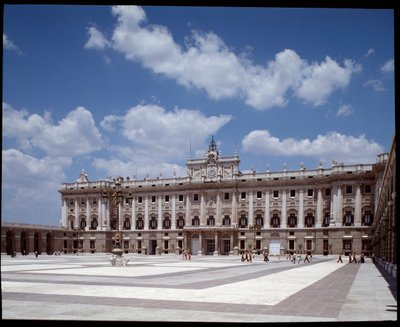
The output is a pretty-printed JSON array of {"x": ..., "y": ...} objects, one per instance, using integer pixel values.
[
  {"x": 266, "y": 256},
  {"x": 36, "y": 254},
  {"x": 350, "y": 257},
  {"x": 354, "y": 258},
  {"x": 243, "y": 257},
  {"x": 362, "y": 260},
  {"x": 306, "y": 258},
  {"x": 299, "y": 258},
  {"x": 340, "y": 258},
  {"x": 373, "y": 257},
  {"x": 294, "y": 257}
]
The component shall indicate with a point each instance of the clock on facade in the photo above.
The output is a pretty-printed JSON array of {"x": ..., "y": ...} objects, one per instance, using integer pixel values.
[{"x": 212, "y": 172}]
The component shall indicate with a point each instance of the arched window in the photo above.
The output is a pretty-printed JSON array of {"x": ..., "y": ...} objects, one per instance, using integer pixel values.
[
  {"x": 195, "y": 221},
  {"x": 367, "y": 218},
  {"x": 83, "y": 223},
  {"x": 275, "y": 221},
  {"x": 226, "y": 221},
  {"x": 259, "y": 220},
  {"x": 139, "y": 223},
  {"x": 94, "y": 223},
  {"x": 292, "y": 220},
  {"x": 326, "y": 221},
  {"x": 348, "y": 219},
  {"x": 180, "y": 222},
  {"x": 309, "y": 220},
  {"x": 127, "y": 224},
  {"x": 242, "y": 221},
  {"x": 211, "y": 221},
  {"x": 153, "y": 223},
  {"x": 167, "y": 223}
]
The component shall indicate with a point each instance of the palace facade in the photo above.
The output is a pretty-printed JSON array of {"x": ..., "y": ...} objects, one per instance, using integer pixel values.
[{"x": 217, "y": 210}]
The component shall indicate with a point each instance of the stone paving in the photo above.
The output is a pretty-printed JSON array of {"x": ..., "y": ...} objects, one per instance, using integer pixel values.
[{"x": 166, "y": 288}]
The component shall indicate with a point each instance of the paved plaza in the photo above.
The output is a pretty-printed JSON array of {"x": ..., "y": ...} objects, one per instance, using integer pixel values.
[{"x": 167, "y": 288}]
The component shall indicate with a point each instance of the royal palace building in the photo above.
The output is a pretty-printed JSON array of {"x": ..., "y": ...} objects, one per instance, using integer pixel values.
[{"x": 218, "y": 210}]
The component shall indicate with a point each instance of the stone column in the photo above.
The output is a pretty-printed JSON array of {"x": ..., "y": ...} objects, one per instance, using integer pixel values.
[
  {"x": 218, "y": 220},
  {"x": 357, "y": 206},
  {"x": 234, "y": 208},
  {"x": 200, "y": 252},
  {"x": 188, "y": 221},
  {"x": 120, "y": 221},
  {"x": 76, "y": 221},
  {"x": 339, "y": 210},
  {"x": 300, "y": 218},
  {"x": 160, "y": 217},
  {"x": 251, "y": 210},
  {"x": 267, "y": 218},
  {"x": 283, "y": 212},
  {"x": 99, "y": 214},
  {"x": 88, "y": 220},
  {"x": 146, "y": 212},
  {"x": 173, "y": 218},
  {"x": 64, "y": 213},
  {"x": 319, "y": 209},
  {"x": 216, "y": 251},
  {"x": 133, "y": 213},
  {"x": 202, "y": 210}
]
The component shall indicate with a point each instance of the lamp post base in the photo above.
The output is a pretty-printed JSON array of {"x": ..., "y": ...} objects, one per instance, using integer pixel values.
[{"x": 117, "y": 258}]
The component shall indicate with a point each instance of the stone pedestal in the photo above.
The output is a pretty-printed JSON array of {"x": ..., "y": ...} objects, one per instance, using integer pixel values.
[
  {"x": 199, "y": 252},
  {"x": 216, "y": 253},
  {"x": 158, "y": 250},
  {"x": 235, "y": 250},
  {"x": 118, "y": 259},
  {"x": 177, "y": 250}
]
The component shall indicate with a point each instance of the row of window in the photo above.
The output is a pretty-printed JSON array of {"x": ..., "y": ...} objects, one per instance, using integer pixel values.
[
  {"x": 243, "y": 195},
  {"x": 309, "y": 221}
]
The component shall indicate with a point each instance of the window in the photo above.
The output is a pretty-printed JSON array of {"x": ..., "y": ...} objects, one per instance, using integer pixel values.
[
  {"x": 367, "y": 188},
  {"x": 153, "y": 223},
  {"x": 309, "y": 220},
  {"x": 71, "y": 202},
  {"x": 82, "y": 201},
  {"x": 259, "y": 220},
  {"x": 127, "y": 223},
  {"x": 327, "y": 192},
  {"x": 309, "y": 245},
  {"x": 226, "y": 221},
  {"x": 349, "y": 189},
  {"x": 310, "y": 192},
  {"x": 153, "y": 198},
  {"x": 347, "y": 245},
  {"x": 292, "y": 193},
  {"x": 242, "y": 221},
  {"x": 195, "y": 221},
  {"x": 348, "y": 219},
  {"x": 167, "y": 223},
  {"x": 83, "y": 223},
  {"x": 325, "y": 246},
  {"x": 275, "y": 221},
  {"x": 140, "y": 199},
  {"x": 94, "y": 224},
  {"x": 94, "y": 201},
  {"x": 243, "y": 195},
  {"x": 367, "y": 218},
  {"x": 292, "y": 220},
  {"x": 211, "y": 221},
  {"x": 180, "y": 222},
  {"x": 195, "y": 197},
  {"x": 139, "y": 223},
  {"x": 226, "y": 196},
  {"x": 276, "y": 194},
  {"x": 92, "y": 244},
  {"x": 259, "y": 194},
  {"x": 180, "y": 198},
  {"x": 326, "y": 220},
  {"x": 166, "y": 198}
]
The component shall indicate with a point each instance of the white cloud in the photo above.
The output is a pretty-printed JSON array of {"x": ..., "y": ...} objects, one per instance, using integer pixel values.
[
  {"x": 388, "y": 66},
  {"x": 9, "y": 45},
  {"x": 96, "y": 39},
  {"x": 322, "y": 79},
  {"x": 370, "y": 52},
  {"x": 158, "y": 137},
  {"x": 345, "y": 110},
  {"x": 333, "y": 145},
  {"x": 376, "y": 84},
  {"x": 27, "y": 179},
  {"x": 206, "y": 62},
  {"x": 74, "y": 135}
]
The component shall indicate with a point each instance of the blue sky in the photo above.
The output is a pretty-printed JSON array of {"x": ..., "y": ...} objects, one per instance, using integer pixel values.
[{"x": 131, "y": 91}]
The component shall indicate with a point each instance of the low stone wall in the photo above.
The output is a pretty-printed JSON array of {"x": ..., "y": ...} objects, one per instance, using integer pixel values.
[{"x": 388, "y": 266}]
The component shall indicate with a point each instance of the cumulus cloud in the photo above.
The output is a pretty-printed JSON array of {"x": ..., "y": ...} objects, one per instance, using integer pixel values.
[
  {"x": 96, "y": 39},
  {"x": 9, "y": 45},
  {"x": 345, "y": 110},
  {"x": 74, "y": 135},
  {"x": 388, "y": 66},
  {"x": 206, "y": 62},
  {"x": 346, "y": 148},
  {"x": 158, "y": 136}
]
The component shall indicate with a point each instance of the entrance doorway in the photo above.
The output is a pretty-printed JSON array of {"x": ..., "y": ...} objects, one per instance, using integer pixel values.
[
  {"x": 275, "y": 247},
  {"x": 152, "y": 246},
  {"x": 210, "y": 246},
  {"x": 195, "y": 245},
  {"x": 226, "y": 247}
]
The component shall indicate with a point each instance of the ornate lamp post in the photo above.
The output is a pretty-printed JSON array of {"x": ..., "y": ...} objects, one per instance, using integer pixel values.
[{"x": 117, "y": 198}]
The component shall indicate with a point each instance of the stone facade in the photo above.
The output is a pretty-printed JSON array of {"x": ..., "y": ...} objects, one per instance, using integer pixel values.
[{"x": 218, "y": 210}]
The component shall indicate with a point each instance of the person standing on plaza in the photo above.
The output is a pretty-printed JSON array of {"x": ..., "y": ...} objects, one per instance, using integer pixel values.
[
  {"x": 266, "y": 256},
  {"x": 350, "y": 257},
  {"x": 294, "y": 257},
  {"x": 354, "y": 258},
  {"x": 306, "y": 258},
  {"x": 340, "y": 258}
]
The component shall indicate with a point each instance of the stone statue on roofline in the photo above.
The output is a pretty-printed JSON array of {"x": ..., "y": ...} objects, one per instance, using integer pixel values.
[{"x": 83, "y": 177}]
